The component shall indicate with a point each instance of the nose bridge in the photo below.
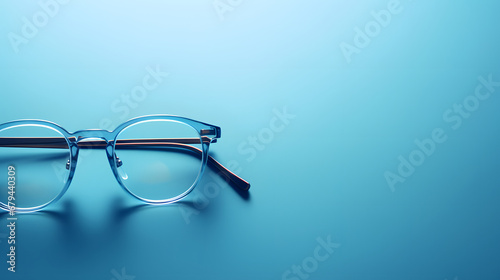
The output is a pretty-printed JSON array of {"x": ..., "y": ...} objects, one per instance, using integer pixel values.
[
  {"x": 93, "y": 133},
  {"x": 94, "y": 139}
]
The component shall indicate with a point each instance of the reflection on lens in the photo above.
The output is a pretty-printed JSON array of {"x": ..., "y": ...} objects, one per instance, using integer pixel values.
[
  {"x": 158, "y": 160},
  {"x": 39, "y": 155}
]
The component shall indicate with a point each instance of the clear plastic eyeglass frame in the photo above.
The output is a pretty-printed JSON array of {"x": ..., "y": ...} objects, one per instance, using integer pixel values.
[{"x": 107, "y": 140}]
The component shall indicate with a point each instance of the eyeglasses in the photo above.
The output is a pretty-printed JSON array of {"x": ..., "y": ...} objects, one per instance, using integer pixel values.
[{"x": 158, "y": 159}]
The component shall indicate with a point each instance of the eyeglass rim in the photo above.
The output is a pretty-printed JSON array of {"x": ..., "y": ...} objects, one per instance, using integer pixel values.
[{"x": 204, "y": 158}]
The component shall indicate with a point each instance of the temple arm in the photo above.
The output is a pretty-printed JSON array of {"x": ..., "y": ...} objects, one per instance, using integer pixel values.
[{"x": 177, "y": 143}]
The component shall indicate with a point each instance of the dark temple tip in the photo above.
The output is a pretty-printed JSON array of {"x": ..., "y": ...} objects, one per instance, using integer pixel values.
[{"x": 242, "y": 184}]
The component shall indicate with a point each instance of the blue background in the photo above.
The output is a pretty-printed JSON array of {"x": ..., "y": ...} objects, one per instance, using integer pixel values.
[{"x": 322, "y": 175}]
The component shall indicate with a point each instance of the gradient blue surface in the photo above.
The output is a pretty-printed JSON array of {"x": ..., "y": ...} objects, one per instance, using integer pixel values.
[{"x": 314, "y": 128}]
